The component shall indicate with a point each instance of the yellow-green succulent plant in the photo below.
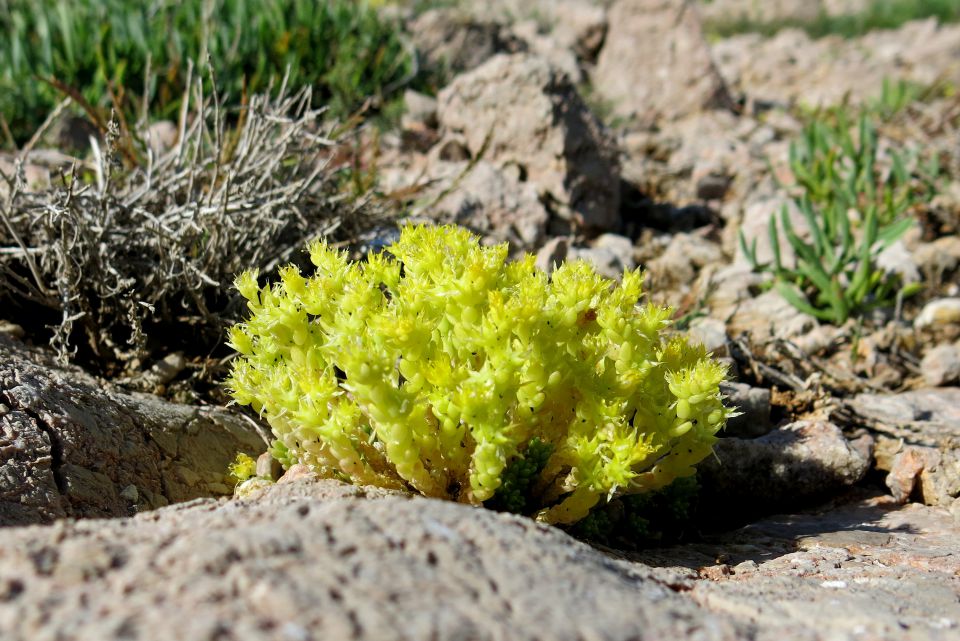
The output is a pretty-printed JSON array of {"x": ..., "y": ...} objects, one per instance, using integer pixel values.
[{"x": 438, "y": 366}]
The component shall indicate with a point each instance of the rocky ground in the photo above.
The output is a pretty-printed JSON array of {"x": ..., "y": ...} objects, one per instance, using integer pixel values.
[
  {"x": 319, "y": 560},
  {"x": 625, "y": 134}
]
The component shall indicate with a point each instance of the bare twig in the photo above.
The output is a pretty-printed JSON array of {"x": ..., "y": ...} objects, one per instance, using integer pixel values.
[{"x": 159, "y": 243}]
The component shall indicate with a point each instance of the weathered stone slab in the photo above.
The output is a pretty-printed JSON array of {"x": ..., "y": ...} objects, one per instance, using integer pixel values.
[
  {"x": 74, "y": 446},
  {"x": 788, "y": 468},
  {"x": 315, "y": 560},
  {"x": 918, "y": 441},
  {"x": 319, "y": 561}
]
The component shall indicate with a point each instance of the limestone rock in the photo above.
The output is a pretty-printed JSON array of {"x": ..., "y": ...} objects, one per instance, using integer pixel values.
[
  {"x": 939, "y": 259},
  {"x": 790, "y": 466},
  {"x": 655, "y": 63},
  {"x": 520, "y": 111},
  {"x": 897, "y": 259},
  {"x": 319, "y": 560},
  {"x": 939, "y": 313},
  {"x": 679, "y": 264},
  {"x": 769, "y": 315},
  {"x": 941, "y": 365},
  {"x": 729, "y": 287},
  {"x": 559, "y": 55},
  {"x": 448, "y": 40},
  {"x": 314, "y": 560},
  {"x": 610, "y": 254},
  {"x": 864, "y": 569},
  {"x": 495, "y": 203},
  {"x": 552, "y": 254},
  {"x": 918, "y": 441},
  {"x": 753, "y": 403},
  {"x": 793, "y": 68},
  {"x": 163, "y": 136},
  {"x": 711, "y": 333},
  {"x": 756, "y": 225},
  {"x": 420, "y": 110},
  {"x": 36, "y": 176},
  {"x": 73, "y": 446},
  {"x": 580, "y": 26},
  {"x": 749, "y": 10}
]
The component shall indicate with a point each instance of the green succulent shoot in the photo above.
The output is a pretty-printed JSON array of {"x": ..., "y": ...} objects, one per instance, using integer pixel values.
[
  {"x": 438, "y": 366},
  {"x": 854, "y": 209}
]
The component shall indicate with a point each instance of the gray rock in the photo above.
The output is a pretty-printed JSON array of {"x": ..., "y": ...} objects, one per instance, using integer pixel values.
[
  {"x": 519, "y": 111},
  {"x": 163, "y": 136},
  {"x": 553, "y": 253},
  {"x": 576, "y": 25},
  {"x": 420, "y": 110},
  {"x": 710, "y": 155},
  {"x": 316, "y": 561},
  {"x": 559, "y": 55},
  {"x": 941, "y": 365},
  {"x": 939, "y": 313},
  {"x": 753, "y": 403},
  {"x": 268, "y": 467},
  {"x": 865, "y": 569},
  {"x": 938, "y": 259},
  {"x": 495, "y": 203},
  {"x": 453, "y": 149},
  {"x": 918, "y": 441},
  {"x": 713, "y": 186},
  {"x": 935, "y": 407},
  {"x": 11, "y": 329},
  {"x": 822, "y": 338},
  {"x": 73, "y": 446},
  {"x": 790, "y": 466},
  {"x": 655, "y": 63},
  {"x": 729, "y": 287},
  {"x": 711, "y": 333},
  {"x": 448, "y": 40},
  {"x": 682, "y": 259},
  {"x": 769, "y": 315},
  {"x": 750, "y": 10},
  {"x": 897, "y": 259},
  {"x": 610, "y": 254},
  {"x": 36, "y": 177},
  {"x": 793, "y": 68},
  {"x": 158, "y": 375},
  {"x": 579, "y": 26}
]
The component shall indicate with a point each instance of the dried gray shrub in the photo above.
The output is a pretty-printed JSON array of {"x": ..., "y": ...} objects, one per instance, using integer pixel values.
[{"x": 115, "y": 252}]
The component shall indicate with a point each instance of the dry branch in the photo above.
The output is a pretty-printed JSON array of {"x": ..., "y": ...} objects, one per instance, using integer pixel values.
[{"x": 117, "y": 251}]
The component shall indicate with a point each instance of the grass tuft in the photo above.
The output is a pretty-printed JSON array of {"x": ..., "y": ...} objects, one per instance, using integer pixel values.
[
  {"x": 118, "y": 52},
  {"x": 856, "y": 201}
]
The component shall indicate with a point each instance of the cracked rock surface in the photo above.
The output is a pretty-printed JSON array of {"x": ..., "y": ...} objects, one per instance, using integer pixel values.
[
  {"x": 521, "y": 111},
  {"x": 310, "y": 559},
  {"x": 73, "y": 446}
]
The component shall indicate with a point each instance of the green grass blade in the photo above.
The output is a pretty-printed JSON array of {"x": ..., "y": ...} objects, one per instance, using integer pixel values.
[{"x": 795, "y": 298}]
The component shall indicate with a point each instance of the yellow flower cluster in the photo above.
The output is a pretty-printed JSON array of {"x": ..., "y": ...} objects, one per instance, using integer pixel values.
[{"x": 433, "y": 365}]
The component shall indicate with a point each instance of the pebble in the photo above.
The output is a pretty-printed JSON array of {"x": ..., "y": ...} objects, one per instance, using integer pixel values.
[
  {"x": 753, "y": 403},
  {"x": 938, "y": 313},
  {"x": 941, "y": 365},
  {"x": 836, "y": 585}
]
